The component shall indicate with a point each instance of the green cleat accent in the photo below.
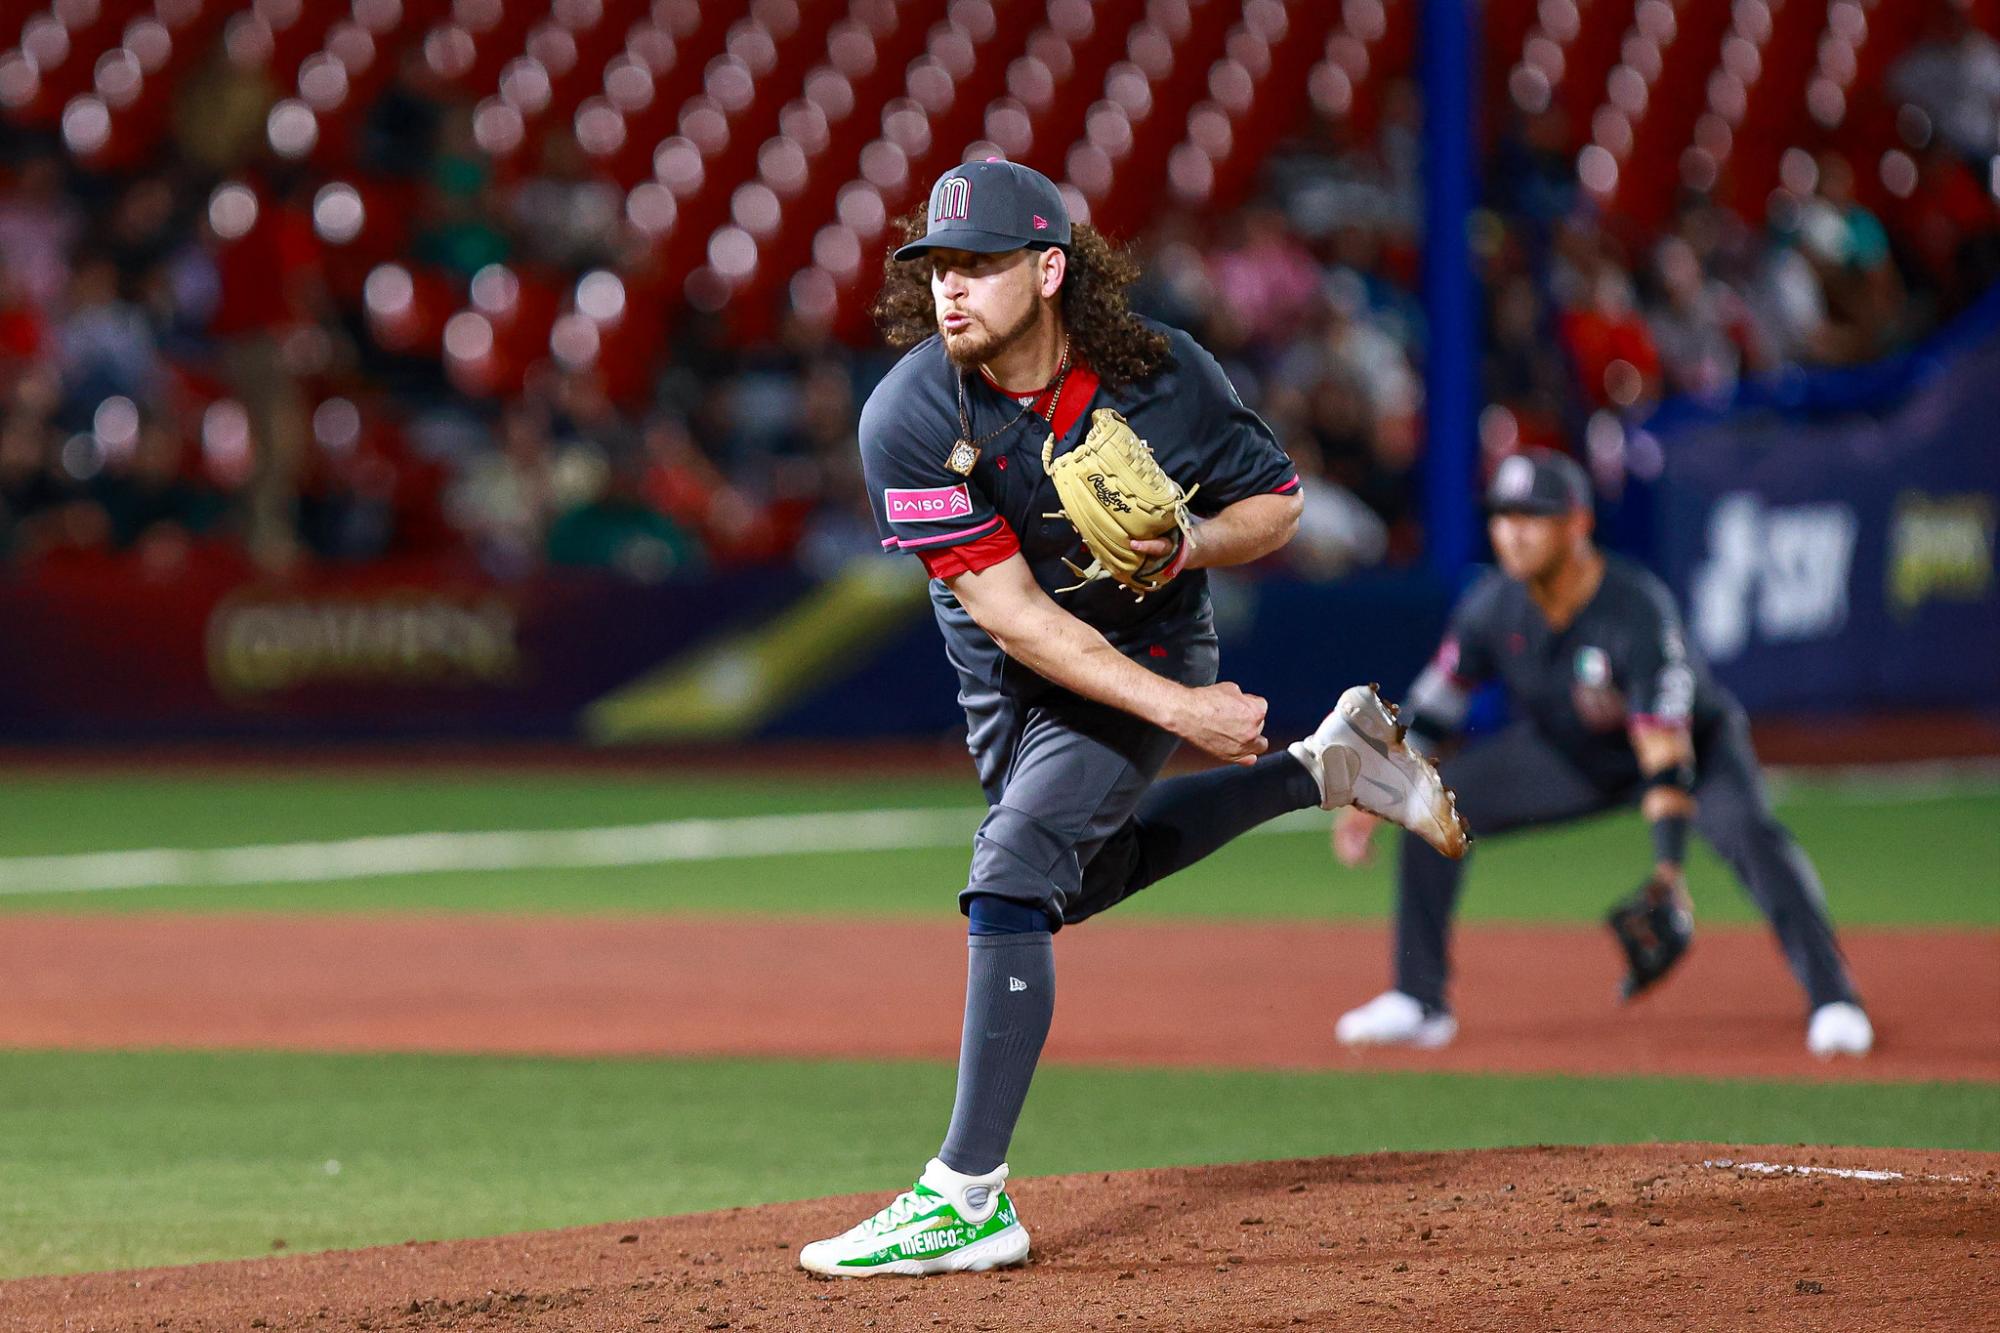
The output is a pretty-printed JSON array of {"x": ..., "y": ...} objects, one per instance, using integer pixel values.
[{"x": 968, "y": 1226}]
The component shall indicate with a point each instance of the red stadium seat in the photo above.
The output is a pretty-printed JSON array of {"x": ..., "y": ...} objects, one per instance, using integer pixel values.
[
  {"x": 1674, "y": 67},
  {"x": 760, "y": 150}
]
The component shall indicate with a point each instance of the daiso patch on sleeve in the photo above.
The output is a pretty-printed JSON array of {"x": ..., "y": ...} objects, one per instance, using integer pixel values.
[{"x": 928, "y": 505}]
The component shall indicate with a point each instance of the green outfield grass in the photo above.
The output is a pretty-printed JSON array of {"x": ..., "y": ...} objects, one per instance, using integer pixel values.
[
  {"x": 1903, "y": 857},
  {"x": 141, "y": 1158},
  {"x": 127, "y": 1159}
]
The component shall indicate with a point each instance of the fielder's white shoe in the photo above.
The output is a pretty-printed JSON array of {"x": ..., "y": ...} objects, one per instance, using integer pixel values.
[
  {"x": 945, "y": 1223},
  {"x": 1840, "y": 1028},
  {"x": 1395, "y": 1019},
  {"x": 1358, "y": 758}
]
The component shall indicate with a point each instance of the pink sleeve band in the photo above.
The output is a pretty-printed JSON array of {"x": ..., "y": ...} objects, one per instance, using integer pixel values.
[{"x": 960, "y": 535}]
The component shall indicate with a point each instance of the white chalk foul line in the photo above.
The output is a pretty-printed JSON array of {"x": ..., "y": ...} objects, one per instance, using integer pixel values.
[
  {"x": 703, "y": 840},
  {"x": 699, "y": 840},
  {"x": 1842, "y": 1172},
  {"x": 524, "y": 849}
]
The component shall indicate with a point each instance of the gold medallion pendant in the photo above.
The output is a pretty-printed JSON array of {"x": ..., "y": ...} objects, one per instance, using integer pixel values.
[{"x": 964, "y": 454}]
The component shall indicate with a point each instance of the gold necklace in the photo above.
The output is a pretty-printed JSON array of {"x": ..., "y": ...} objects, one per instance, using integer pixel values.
[{"x": 965, "y": 450}]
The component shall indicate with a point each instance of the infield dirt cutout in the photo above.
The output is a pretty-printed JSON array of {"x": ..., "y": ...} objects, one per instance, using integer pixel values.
[
  {"x": 1524, "y": 1238},
  {"x": 1222, "y": 994},
  {"x": 1529, "y": 1239}
]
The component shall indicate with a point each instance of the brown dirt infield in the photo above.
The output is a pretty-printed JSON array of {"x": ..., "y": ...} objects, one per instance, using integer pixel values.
[
  {"x": 1513, "y": 1239},
  {"x": 1199, "y": 994},
  {"x": 1528, "y": 1239}
]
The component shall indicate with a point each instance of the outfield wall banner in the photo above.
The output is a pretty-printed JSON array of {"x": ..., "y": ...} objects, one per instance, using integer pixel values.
[
  {"x": 364, "y": 653},
  {"x": 1845, "y": 562},
  {"x": 96, "y": 655}
]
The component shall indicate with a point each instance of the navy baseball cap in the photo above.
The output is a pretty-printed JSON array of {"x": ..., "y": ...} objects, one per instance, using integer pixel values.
[
  {"x": 1540, "y": 482},
  {"x": 991, "y": 207}
]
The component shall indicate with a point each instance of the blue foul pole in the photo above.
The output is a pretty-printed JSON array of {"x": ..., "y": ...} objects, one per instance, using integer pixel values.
[{"x": 1451, "y": 298}]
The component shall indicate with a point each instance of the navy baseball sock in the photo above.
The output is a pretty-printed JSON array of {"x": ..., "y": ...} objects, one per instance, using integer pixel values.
[
  {"x": 1010, "y": 998},
  {"x": 1181, "y": 820}
]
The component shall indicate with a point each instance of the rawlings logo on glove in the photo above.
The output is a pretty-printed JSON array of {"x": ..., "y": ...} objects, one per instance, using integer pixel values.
[
  {"x": 1114, "y": 493},
  {"x": 1106, "y": 496}
]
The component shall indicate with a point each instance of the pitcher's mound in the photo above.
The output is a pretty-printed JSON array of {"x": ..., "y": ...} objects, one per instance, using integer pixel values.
[{"x": 1681, "y": 1236}]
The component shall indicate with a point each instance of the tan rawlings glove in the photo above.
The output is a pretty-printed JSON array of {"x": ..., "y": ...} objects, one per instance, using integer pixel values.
[{"x": 1114, "y": 493}]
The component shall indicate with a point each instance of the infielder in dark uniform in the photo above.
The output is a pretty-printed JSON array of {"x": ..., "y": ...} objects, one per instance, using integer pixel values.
[
  {"x": 1075, "y": 690},
  {"x": 1611, "y": 709}
]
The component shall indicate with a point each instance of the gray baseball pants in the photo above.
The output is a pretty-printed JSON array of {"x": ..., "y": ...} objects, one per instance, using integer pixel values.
[{"x": 1519, "y": 779}]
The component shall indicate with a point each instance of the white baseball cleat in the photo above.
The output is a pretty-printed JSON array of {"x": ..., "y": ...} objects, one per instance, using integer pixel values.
[
  {"x": 947, "y": 1222},
  {"x": 1840, "y": 1028},
  {"x": 1395, "y": 1019},
  {"x": 1358, "y": 758}
]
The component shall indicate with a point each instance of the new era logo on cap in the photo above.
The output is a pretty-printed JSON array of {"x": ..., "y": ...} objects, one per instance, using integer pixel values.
[{"x": 1041, "y": 223}]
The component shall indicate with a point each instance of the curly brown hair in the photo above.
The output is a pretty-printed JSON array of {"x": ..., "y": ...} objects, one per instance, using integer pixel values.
[{"x": 1103, "y": 330}]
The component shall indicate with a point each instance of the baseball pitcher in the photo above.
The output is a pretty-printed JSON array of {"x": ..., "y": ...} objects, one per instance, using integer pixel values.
[{"x": 1065, "y": 471}]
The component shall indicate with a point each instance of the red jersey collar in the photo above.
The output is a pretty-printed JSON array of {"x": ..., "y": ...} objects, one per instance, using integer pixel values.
[{"x": 1077, "y": 391}]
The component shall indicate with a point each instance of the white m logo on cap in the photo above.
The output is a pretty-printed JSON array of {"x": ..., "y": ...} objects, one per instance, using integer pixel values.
[
  {"x": 1516, "y": 478},
  {"x": 954, "y": 200}
]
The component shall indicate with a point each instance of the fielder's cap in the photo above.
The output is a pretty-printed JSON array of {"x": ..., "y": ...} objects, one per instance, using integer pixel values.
[
  {"x": 1538, "y": 481},
  {"x": 991, "y": 207}
]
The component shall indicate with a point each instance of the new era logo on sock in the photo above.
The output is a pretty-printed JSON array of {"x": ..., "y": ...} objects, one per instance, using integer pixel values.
[{"x": 1015, "y": 983}]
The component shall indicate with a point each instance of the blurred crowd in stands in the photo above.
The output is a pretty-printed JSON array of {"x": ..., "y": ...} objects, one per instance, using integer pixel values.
[{"x": 168, "y": 401}]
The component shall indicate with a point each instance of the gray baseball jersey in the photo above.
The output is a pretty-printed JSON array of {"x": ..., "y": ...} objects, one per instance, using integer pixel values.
[
  {"x": 1187, "y": 412},
  {"x": 1063, "y": 776},
  {"x": 1623, "y": 660}
]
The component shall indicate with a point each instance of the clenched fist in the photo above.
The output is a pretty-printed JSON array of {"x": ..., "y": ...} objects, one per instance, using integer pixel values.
[{"x": 1224, "y": 721}]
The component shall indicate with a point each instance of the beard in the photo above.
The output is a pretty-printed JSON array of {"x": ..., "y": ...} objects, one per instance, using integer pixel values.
[{"x": 976, "y": 345}]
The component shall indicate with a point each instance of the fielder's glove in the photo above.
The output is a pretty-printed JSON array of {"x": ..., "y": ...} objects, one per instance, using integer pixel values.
[
  {"x": 1654, "y": 927},
  {"x": 1114, "y": 493}
]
